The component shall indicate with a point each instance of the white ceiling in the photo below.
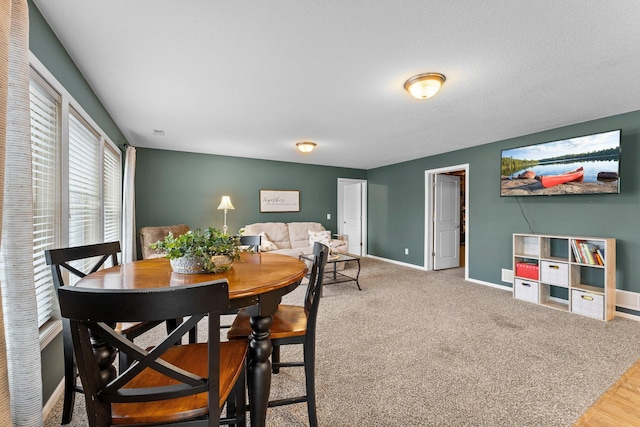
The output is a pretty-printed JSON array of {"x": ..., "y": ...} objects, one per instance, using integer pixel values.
[{"x": 251, "y": 78}]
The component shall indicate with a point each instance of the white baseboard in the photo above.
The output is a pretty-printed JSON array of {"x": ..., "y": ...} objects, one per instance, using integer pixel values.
[
  {"x": 393, "y": 261},
  {"x": 53, "y": 399},
  {"x": 624, "y": 299}
]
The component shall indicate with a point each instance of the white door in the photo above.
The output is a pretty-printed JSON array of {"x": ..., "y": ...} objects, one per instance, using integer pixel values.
[
  {"x": 446, "y": 222},
  {"x": 352, "y": 217}
]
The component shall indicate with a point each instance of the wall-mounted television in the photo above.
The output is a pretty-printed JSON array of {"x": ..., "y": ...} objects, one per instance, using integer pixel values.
[{"x": 586, "y": 164}]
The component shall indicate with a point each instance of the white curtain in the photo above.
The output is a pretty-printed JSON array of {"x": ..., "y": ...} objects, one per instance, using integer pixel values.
[
  {"x": 129, "y": 207},
  {"x": 19, "y": 307}
]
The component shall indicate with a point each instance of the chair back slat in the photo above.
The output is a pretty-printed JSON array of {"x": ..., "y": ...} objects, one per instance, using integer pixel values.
[
  {"x": 60, "y": 259},
  {"x": 252, "y": 241},
  {"x": 135, "y": 305},
  {"x": 314, "y": 289}
]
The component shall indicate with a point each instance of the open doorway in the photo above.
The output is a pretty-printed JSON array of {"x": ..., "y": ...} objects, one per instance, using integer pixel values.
[
  {"x": 352, "y": 214},
  {"x": 433, "y": 199}
]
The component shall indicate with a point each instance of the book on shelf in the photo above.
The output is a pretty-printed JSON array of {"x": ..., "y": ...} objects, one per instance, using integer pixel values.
[
  {"x": 587, "y": 253},
  {"x": 576, "y": 251}
]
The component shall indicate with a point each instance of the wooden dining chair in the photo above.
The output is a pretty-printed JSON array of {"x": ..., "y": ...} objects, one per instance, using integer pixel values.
[
  {"x": 294, "y": 324},
  {"x": 166, "y": 383},
  {"x": 251, "y": 241},
  {"x": 92, "y": 258}
]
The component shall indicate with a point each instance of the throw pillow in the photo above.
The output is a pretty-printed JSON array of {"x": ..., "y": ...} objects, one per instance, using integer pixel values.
[
  {"x": 323, "y": 237},
  {"x": 265, "y": 244}
]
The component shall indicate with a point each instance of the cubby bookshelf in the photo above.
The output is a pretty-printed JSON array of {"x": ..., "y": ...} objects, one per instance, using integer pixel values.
[{"x": 575, "y": 274}]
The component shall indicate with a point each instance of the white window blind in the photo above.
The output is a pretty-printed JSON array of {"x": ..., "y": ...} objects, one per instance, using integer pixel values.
[
  {"x": 45, "y": 143},
  {"x": 112, "y": 194},
  {"x": 84, "y": 184},
  {"x": 77, "y": 181}
]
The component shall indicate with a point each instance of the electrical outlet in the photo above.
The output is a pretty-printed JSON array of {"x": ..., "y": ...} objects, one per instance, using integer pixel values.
[
  {"x": 406, "y": 251},
  {"x": 328, "y": 216},
  {"x": 507, "y": 275}
]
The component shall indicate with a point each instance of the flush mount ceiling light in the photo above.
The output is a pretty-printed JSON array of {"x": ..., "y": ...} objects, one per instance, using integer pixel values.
[
  {"x": 306, "y": 146},
  {"x": 425, "y": 85}
]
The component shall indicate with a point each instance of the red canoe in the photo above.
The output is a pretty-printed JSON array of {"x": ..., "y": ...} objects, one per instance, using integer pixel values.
[{"x": 551, "y": 180}]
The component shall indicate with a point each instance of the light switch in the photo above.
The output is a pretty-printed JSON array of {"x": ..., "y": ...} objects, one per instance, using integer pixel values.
[{"x": 328, "y": 216}]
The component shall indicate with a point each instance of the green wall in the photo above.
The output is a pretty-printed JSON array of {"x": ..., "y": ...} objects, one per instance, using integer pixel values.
[
  {"x": 396, "y": 205},
  {"x": 46, "y": 47},
  {"x": 175, "y": 187},
  {"x": 44, "y": 44}
]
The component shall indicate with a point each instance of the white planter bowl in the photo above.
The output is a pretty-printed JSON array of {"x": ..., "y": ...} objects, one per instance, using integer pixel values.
[{"x": 193, "y": 265}]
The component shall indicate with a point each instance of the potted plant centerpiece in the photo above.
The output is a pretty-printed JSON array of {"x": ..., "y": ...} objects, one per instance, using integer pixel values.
[{"x": 196, "y": 251}]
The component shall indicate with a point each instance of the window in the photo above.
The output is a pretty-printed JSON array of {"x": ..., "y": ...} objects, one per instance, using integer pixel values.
[
  {"x": 77, "y": 180},
  {"x": 45, "y": 144}
]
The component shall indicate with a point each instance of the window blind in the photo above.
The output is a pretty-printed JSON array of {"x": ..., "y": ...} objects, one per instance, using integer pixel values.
[
  {"x": 45, "y": 140},
  {"x": 112, "y": 177},
  {"x": 77, "y": 182},
  {"x": 84, "y": 188}
]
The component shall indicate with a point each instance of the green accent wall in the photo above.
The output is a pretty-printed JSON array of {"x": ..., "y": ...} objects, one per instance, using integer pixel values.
[
  {"x": 47, "y": 48},
  {"x": 175, "y": 187},
  {"x": 44, "y": 44},
  {"x": 397, "y": 200}
]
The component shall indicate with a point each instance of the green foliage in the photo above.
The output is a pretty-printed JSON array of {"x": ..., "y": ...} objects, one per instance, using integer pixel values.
[
  {"x": 200, "y": 244},
  {"x": 511, "y": 165}
]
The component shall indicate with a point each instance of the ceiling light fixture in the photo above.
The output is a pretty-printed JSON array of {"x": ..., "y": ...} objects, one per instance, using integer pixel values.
[
  {"x": 425, "y": 85},
  {"x": 306, "y": 146}
]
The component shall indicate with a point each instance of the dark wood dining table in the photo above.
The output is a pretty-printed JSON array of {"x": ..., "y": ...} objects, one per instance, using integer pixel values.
[{"x": 256, "y": 281}]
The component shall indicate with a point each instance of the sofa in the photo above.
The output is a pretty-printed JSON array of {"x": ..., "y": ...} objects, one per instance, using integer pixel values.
[{"x": 293, "y": 238}]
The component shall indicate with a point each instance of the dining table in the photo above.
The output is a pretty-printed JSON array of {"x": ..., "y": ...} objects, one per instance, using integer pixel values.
[{"x": 257, "y": 282}]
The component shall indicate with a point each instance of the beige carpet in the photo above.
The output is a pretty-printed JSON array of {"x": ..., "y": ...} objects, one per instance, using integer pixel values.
[{"x": 417, "y": 348}]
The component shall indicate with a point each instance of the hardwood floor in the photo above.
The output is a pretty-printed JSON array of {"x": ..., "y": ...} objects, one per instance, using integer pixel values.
[{"x": 618, "y": 406}]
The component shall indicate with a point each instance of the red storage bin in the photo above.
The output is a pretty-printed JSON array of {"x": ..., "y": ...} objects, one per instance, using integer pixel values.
[{"x": 528, "y": 270}]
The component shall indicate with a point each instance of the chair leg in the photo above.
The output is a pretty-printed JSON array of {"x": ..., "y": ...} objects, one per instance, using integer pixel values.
[
  {"x": 193, "y": 333},
  {"x": 241, "y": 399},
  {"x": 70, "y": 377},
  {"x": 310, "y": 379},
  {"x": 237, "y": 402},
  {"x": 275, "y": 358}
]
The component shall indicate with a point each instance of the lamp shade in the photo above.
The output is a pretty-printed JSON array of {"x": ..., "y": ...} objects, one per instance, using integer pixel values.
[
  {"x": 306, "y": 146},
  {"x": 424, "y": 86},
  {"x": 225, "y": 203}
]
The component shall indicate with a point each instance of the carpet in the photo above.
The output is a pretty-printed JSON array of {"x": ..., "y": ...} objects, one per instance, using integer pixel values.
[{"x": 417, "y": 348}]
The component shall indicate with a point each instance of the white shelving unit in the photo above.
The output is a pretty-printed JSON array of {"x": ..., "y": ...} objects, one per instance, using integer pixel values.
[{"x": 576, "y": 274}]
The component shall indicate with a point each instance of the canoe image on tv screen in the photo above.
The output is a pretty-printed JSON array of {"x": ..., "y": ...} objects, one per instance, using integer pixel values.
[{"x": 586, "y": 164}]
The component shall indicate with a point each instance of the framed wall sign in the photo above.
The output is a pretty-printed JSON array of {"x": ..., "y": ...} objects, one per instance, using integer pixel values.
[{"x": 279, "y": 201}]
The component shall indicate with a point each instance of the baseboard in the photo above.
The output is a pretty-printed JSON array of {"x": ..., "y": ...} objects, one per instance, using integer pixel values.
[
  {"x": 53, "y": 399},
  {"x": 393, "y": 261},
  {"x": 631, "y": 299}
]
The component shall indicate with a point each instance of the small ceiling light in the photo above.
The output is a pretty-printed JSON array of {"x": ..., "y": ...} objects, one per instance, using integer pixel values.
[
  {"x": 306, "y": 146},
  {"x": 424, "y": 86}
]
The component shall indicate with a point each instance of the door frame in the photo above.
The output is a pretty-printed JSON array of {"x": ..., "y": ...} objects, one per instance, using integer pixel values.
[
  {"x": 429, "y": 177},
  {"x": 341, "y": 183}
]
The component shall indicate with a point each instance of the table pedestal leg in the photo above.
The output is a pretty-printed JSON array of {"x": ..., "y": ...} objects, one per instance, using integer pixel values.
[{"x": 259, "y": 369}]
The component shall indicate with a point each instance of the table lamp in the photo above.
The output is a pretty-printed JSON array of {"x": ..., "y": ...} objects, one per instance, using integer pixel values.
[{"x": 225, "y": 204}]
